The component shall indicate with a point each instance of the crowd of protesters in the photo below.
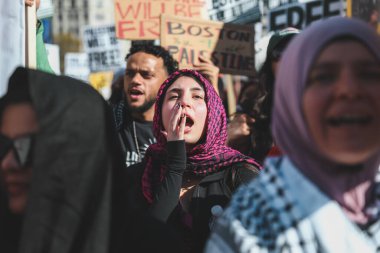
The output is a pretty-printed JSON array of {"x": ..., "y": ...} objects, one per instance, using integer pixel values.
[{"x": 159, "y": 168}]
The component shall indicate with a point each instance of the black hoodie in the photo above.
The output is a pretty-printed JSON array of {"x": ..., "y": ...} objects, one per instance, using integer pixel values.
[{"x": 76, "y": 159}]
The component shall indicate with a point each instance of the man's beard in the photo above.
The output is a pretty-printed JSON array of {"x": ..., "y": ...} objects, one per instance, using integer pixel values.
[{"x": 144, "y": 107}]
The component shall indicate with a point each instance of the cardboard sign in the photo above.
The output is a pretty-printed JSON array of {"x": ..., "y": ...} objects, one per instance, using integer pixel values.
[
  {"x": 366, "y": 10},
  {"x": 140, "y": 20},
  {"x": 229, "y": 46},
  {"x": 102, "y": 81},
  {"x": 300, "y": 15},
  {"x": 76, "y": 66},
  {"x": 102, "y": 47}
]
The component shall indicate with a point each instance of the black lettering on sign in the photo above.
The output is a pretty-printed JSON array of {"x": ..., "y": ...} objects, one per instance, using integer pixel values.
[
  {"x": 311, "y": 16},
  {"x": 301, "y": 15},
  {"x": 175, "y": 28},
  {"x": 274, "y": 17},
  {"x": 208, "y": 32},
  {"x": 194, "y": 30},
  {"x": 328, "y": 10},
  {"x": 186, "y": 56},
  {"x": 172, "y": 50},
  {"x": 295, "y": 17},
  {"x": 232, "y": 61},
  {"x": 93, "y": 42},
  {"x": 234, "y": 35}
]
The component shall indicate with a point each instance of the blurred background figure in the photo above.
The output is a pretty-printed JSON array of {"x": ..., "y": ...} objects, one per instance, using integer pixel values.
[
  {"x": 60, "y": 160},
  {"x": 117, "y": 87},
  {"x": 323, "y": 194},
  {"x": 207, "y": 68},
  {"x": 249, "y": 130},
  {"x": 368, "y": 11},
  {"x": 147, "y": 68}
]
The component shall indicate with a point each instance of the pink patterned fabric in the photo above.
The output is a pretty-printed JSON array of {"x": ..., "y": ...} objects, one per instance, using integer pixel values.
[{"x": 211, "y": 155}]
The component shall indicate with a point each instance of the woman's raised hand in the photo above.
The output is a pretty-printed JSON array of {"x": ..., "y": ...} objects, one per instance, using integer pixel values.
[{"x": 177, "y": 124}]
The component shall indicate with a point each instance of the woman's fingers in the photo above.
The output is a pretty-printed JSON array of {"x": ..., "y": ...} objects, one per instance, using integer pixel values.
[
  {"x": 175, "y": 117},
  {"x": 205, "y": 59},
  {"x": 177, "y": 124},
  {"x": 165, "y": 133},
  {"x": 29, "y": 3},
  {"x": 182, "y": 125}
]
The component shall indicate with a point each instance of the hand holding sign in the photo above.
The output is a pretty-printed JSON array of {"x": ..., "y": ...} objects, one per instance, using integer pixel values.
[
  {"x": 207, "y": 68},
  {"x": 229, "y": 46}
]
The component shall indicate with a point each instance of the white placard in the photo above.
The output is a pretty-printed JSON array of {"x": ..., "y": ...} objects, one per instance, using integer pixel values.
[
  {"x": 76, "y": 66},
  {"x": 300, "y": 15},
  {"x": 102, "y": 47}
]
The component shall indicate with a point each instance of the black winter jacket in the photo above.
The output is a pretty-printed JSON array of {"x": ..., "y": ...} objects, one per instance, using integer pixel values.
[{"x": 212, "y": 190}]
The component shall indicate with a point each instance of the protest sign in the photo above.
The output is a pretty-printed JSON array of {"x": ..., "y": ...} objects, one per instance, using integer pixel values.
[
  {"x": 102, "y": 47},
  {"x": 12, "y": 46},
  {"x": 229, "y": 46},
  {"x": 300, "y": 15},
  {"x": 76, "y": 66},
  {"x": 366, "y": 10},
  {"x": 228, "y": 11},
  {"x": 102, "y": 81},
  {"x": 53, "y": 57},
  {"x": 140, "y": 20}
]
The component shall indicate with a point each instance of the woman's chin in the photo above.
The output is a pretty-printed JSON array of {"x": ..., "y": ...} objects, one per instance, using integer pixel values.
[
  {"x": 17, "y": 205},
  {"x": 352, "y": 158}
]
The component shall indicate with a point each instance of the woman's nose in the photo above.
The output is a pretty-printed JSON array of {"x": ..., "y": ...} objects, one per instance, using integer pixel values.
[
  {"x": 185, "y": 101},
  {"x": 348, "y": 85},
  {"x": 9, "y": 162}
]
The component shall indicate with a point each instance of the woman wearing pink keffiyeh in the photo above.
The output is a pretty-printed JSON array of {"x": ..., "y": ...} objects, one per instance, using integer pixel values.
[{"x": 189, "y": 174}]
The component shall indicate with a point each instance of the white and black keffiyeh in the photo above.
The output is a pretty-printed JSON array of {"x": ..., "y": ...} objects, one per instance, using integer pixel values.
[
  {"x": 282, "y": 211},
  {"x": 119, "y": 112}
]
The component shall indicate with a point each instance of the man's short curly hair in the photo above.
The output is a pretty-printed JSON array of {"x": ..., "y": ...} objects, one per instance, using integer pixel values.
[{"x": 158, "y": 51}]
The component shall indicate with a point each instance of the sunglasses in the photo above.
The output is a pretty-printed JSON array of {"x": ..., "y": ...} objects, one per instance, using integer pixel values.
[{"x": 22, "y": 147}]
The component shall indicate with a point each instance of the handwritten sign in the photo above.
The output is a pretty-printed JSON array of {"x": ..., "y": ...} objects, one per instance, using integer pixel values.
[
  {"x": 300, "y": 15},
  {"x": 102, "y": 47},
  {"x": 140, "y": 20},
  {"x": 229, "y": 46}
]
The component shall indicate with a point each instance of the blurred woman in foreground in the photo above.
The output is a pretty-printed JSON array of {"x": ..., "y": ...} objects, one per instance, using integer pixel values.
[{"x": 323, "y": 194}]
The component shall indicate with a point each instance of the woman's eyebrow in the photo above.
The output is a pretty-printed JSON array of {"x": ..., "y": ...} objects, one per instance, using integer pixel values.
[
  {"x": 367, "y": 63},
  {"x": 324, "y": 66},
  {"x": 176, "y": 90},
  {"x": 196, "y": 89}
]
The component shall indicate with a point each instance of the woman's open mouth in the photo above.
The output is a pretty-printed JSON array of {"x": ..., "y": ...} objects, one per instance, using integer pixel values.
[
  {"x": 188, "y": 124},
  {"x": 349, "y": 120}
]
